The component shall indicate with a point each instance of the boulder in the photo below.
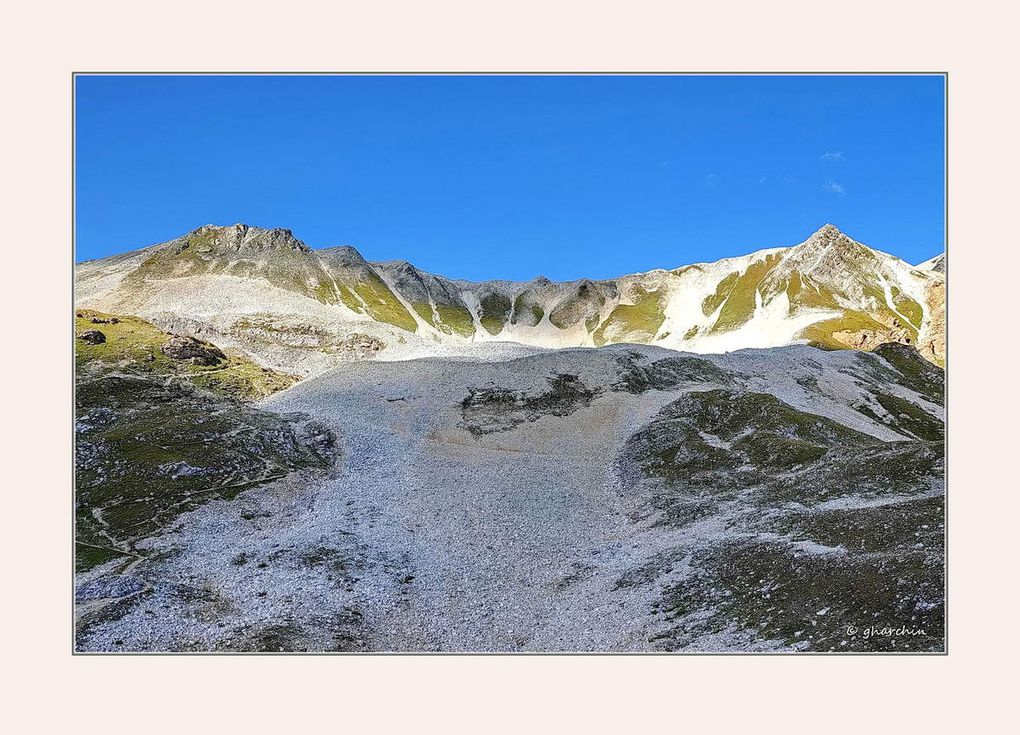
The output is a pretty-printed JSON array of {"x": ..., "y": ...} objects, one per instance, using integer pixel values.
[
  {"x": 179, "y": 347},
  {"x": 92, "y": 337}
]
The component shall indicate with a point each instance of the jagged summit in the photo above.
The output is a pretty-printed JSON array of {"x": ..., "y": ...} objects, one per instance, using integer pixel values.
[
  {"x": 828, "y": 231},
  {"x": 244, "y": 238},
  {"x": 828, "y": 236},
  {"x": 830, "y": 252}
]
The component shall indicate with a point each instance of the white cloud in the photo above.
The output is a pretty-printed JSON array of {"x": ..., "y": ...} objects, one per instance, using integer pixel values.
[
  {"x": 833, "y": 187},
  {"x": 833, "y": 156}
]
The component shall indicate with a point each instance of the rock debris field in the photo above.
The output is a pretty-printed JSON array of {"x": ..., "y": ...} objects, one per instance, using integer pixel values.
[{"x": 627, "y": 498}]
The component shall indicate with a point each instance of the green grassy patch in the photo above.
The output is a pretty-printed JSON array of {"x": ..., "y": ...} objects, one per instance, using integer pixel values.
[
  {"x": 714, "y": 440},
  {"x": 526, "y": 311},
  {"x": 684, "y": 269},
  {"x": 907, "y": 307},
  {"x": 637, "y": 322},
  {"x": 739, "y": 304},
  {"x": 458, "y": 318},
  {"x": 383, "y": 305},
  {"x": 824, "y": 333},
  {"x": 148, "y": 450},
  {"x": 451, "y": 319},
  {"x": 134, "y": 346},
  {"x": 722, "y": 290},
  {"x": 910, "y": 419},
  {"x": 810, "y": 600},
  {"x": 914, "y": 372},
  {"x": 494, "y": 310}
]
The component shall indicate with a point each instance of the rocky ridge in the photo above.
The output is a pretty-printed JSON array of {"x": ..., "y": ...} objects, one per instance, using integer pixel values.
[{"x": 291, "y": 307}]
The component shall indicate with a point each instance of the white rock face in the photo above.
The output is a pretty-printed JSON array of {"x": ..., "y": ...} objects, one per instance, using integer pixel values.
[{"x": 302, "y": 310}]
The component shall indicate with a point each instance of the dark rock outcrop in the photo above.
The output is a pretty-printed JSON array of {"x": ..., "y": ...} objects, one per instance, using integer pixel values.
[
  {"x": 179, "y": 347},
  {"x": 92, "y": 337}
]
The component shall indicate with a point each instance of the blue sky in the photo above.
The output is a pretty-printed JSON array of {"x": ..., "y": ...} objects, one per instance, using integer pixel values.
[{"x": 513, "y": 177}]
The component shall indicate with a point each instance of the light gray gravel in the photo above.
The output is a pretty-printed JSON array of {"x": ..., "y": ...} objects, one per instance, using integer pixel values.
[{"x": 431, "y": 537}]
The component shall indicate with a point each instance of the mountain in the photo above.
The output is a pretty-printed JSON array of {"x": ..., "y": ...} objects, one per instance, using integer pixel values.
[
  {"x": 261, "y": 466},
  {"x": 628, "y": 498},
  {"x": 937, "y": 264},
  {"x": 164, "y": 423},
  {"x": 295, "y": 309}
]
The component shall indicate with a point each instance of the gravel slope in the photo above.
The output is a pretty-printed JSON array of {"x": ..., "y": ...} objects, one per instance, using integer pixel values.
[{"x": 476, "y": 506}]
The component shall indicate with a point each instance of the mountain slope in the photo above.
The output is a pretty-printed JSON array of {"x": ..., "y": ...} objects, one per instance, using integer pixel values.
[
  {"x": 298, "y": 309},
  {"x": 937, "y": 264},
  {"x": 616, "y": 499}
]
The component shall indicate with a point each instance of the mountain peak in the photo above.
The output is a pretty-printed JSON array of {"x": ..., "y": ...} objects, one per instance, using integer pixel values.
[
  {"x": 828, "y": 231},
  {"x": 241, "y": 236},
  {"x": 831, "y": 239},
  {"x": 346, "y": 255}
]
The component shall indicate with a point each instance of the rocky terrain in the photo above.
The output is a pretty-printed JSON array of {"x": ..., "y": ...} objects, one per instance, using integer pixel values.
[
  {"x": 629, "y": 498},
  {"x": 288, "y": 449},
  {"x": 299, "y": 310},
  {"x": 163, "y": 424}
]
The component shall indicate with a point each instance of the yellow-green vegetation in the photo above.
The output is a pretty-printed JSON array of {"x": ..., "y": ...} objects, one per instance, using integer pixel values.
[
  {"x": 711, "y": 303},
  {"x": 174, "y": 261},
  {"x": 805, "y": 293},
  {"x": 458, "y": 318},
  {"x": 197, "y": 255},
  {"x": 683, "y": 269},
  {"x": 495, "y": 307},
  {"x": 451, "y": 319},
  {"x": 882, "y": 321},
  {"x": 242, "y": 378},
  {"x": 852, "y": 322},
  {"x": 426, "y": 313},
  {"x": 758, "y": 433},
  {"x": 907, "y": 307},
  {"x": 691, "y": 333},
  {"x": 635, "y": 322},
  {"x": 128, "y": 339},
  {"x": 382, "y": 304},
  {"x": 776, "y": 590},
  {"x": 910, "y": 419},
  {"x": 822, "y": 334},
  {"x": 884, "y": 313},
  {"x": 135, "y": 346},
  {"x": 739, "y": 304}
]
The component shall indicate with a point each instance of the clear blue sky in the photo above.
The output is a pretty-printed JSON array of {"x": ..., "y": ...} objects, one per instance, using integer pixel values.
[{"x": 512, "y": 177}]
